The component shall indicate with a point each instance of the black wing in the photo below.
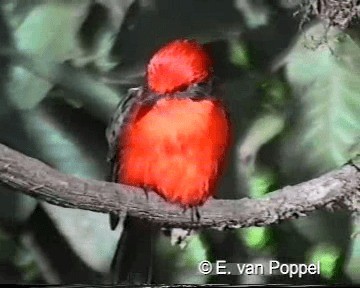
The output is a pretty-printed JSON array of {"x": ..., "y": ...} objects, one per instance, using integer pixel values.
[
  {"x": 113, "y": 132},
  {"x": 114, "y": 129},
  {"x": 132, "y": 260}
]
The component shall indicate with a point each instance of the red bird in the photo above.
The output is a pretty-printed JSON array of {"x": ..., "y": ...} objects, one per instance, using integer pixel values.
[{"x": 171, "y": 135}]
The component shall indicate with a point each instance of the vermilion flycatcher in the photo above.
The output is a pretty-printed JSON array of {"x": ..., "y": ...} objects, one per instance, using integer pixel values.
[{"x": 172, "y": 134}]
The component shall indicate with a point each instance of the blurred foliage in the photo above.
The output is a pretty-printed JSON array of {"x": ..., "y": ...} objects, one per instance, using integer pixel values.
[
  {"x": 262, "y": 182},
  {"x": 239, "y": 54},
  {"x": 324, "y": 78},
  {"x": 26, "y": 262},
  {"x": 178, "y": 265},
  {"x": 55, "y": 41},
  {"x": 8, "y": 247},
  {"x": 329, "y": 257},
  {"x": 256, "y": 237},
  {"x": 293, "y": 97}
]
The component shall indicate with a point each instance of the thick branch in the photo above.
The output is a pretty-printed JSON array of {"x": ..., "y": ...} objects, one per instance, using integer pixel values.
[{"x": 340, "y": 188}]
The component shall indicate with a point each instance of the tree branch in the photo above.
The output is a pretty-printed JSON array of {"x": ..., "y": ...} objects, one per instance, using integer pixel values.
[{"x": 336, "y": 189}]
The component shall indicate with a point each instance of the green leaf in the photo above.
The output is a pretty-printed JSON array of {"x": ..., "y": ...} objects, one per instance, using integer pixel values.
[
  {"x": 255, "y": 13},
  {"x": 81, "y": 88},
  {"x": 25, "y": 260},
  {"x": 260, "y": 182},
  {"x": 194, "y": 253},
  {"x": 329, "y": 257},
  {"x": 239, "y": 54},
  {"x": 48, "y": 31},
  {"x": 323, "y": 73},
  {"x": 261, "y": 131},
  {"x": 276, "y": 93},
  {"x": 25, "y": 89},
  {"x": 102, "y": 29},
  {"x": 255, "y": 237}
]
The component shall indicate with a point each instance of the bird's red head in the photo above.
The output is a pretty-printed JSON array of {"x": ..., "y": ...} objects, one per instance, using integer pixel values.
[{"x": 177, "y": 65}]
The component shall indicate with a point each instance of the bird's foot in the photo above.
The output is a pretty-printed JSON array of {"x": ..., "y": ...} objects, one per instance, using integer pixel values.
[
  {"x": 147, "y": 190},
  {"x": 195, "y": 214}
]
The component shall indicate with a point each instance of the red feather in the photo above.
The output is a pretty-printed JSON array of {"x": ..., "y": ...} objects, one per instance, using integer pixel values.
[
  {"x": 178, "y": 65},
  {"x": 177, "y": 148},
  {"x": 177, "y": 145}
]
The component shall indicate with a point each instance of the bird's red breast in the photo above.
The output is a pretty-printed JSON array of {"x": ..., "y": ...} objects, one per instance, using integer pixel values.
[{"x": 176, "y": 147}]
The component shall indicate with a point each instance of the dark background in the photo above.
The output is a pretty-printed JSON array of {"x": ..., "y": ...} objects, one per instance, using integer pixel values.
[{"x": 292, "y": 93}]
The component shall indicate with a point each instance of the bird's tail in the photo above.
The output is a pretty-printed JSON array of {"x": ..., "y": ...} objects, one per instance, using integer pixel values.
[{"x": 132, "y": 261}]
